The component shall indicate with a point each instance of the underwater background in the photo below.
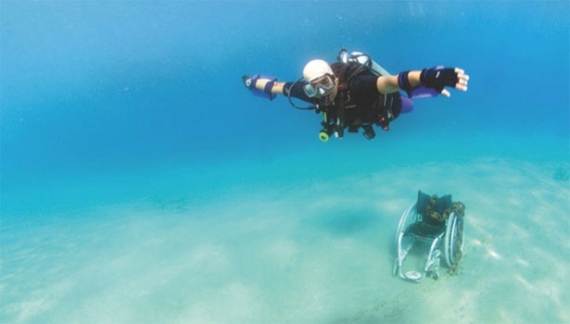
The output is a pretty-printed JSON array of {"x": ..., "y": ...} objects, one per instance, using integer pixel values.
[{"x": 141, "y": 181}]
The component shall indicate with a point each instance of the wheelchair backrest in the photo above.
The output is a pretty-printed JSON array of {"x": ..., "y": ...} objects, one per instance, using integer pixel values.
[{"x": 433, "y": 208}]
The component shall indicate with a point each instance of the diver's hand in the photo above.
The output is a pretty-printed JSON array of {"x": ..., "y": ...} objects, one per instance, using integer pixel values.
[
  {"x": 248, "y": 82},
  {"x": 440, "y": 77}
]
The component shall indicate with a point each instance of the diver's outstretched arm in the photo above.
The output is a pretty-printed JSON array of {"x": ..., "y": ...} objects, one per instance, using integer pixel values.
[
  {"x": 276, "y": 88},
  {"x": 435, "y": 78},
  {"x": 263, "y": 86}
]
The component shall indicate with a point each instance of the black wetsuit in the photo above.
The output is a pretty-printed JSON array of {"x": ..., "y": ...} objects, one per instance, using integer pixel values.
[{"x": 364, "y": 104}]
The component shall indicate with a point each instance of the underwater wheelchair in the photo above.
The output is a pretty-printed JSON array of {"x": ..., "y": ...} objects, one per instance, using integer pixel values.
[{"x": 432, "y": 222}]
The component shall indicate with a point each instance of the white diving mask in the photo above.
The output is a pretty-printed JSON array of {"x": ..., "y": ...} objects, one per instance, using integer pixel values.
[{"x": 319, "y": 86}]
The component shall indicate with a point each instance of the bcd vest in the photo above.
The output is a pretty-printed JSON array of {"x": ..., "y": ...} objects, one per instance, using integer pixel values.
[{"x": 345, "y": 113}]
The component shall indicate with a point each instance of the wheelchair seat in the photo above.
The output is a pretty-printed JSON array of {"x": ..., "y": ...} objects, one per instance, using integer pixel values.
[{"x": 423, "y": 229}]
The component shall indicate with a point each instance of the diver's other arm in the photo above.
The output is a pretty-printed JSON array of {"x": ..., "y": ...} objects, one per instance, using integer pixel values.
[
  {"x": 276, "y": 87},
  {"x": 263, "y": 86},
  {"x": 435, "y": 78}
]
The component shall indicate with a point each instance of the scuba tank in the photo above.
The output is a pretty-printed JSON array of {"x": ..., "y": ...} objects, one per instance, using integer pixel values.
[{"x": 363, "y": 59}]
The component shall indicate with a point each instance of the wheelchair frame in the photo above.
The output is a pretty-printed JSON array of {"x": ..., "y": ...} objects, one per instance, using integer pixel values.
[{"x": 452, "y": 237}]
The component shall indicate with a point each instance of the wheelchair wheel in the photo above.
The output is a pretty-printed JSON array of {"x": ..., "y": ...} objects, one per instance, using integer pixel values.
[
  {"x": 453, "y": 243},
  {"x": 395, "y": 268},
  {"x": 409, "y": 216}
]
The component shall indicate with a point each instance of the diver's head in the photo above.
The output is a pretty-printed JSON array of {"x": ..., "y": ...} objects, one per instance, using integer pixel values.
[{"x": 319, "y": 78}]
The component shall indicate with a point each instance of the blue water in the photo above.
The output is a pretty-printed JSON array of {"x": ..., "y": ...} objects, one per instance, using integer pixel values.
[{"x": 120, "y": 102}]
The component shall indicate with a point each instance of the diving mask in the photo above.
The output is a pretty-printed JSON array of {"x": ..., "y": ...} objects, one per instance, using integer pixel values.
[{"x": 319, "y": 86}]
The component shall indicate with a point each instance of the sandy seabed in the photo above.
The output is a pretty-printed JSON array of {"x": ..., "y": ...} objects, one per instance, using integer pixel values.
[{"x": 314, "y": 252}]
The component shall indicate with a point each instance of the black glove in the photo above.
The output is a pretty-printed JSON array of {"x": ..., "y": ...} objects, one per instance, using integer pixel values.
[
  {"x": 248, "y": 82},
  {"x": 438, "y": 78}
]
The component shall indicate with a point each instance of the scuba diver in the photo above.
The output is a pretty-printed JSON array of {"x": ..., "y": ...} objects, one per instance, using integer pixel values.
[{"x": 355, "y": 92}]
